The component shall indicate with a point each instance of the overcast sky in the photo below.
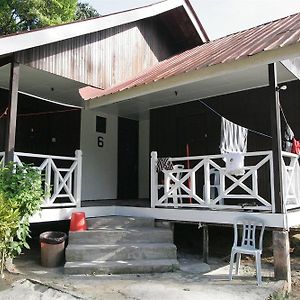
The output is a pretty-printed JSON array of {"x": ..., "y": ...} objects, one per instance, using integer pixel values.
[{"x": 219, "y": 17}]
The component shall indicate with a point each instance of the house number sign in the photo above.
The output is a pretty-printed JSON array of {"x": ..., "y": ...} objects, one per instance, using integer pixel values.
[
  {"x": 100, "y": 128},
  {"x": 100, "y": 141}
]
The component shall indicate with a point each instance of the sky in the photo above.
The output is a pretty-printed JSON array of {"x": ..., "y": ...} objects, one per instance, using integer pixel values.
[{"x": 219, "y": 17}]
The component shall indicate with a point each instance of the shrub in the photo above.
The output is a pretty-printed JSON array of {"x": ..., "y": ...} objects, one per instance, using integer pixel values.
[{"x": 21, "y": 194}]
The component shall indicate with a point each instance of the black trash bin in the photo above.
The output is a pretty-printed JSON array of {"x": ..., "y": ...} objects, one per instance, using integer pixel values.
[{"x": 52, "y": 248}]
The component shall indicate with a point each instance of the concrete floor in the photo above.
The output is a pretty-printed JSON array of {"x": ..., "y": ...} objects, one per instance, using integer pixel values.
[{"x": 194, "y": 280}]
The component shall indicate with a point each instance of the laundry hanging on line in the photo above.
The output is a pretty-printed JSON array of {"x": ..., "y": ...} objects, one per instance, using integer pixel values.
[
  {"x": 233, "y": 143},
  {"x": 288, "y": 138},
  {"x": 164, "y": 163},
  {"x": 290, "y": 143},
  {"x": 295, "y": 146},
  {"x": 233, "y": 137}
]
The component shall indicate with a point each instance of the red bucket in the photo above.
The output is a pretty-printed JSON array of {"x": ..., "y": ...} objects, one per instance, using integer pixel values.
[{"x": 78, "y": 222}]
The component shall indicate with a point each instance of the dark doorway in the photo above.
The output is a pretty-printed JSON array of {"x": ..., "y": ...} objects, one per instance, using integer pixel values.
[{"x": 128, "y": 137}]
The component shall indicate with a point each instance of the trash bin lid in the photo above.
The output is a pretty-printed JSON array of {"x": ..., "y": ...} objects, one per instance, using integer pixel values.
[{"x": 52, "y": 237}]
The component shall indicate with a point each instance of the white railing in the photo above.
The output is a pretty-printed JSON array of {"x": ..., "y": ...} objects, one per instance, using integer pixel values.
[
  {"x": 62, "y": 177},
  {"x": 291, "y": 180},
  {"x": 206, "y": 183},
  {"x": 2, "y": 154}
]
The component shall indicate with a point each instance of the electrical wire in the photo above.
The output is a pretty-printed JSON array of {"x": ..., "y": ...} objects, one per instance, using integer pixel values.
[
  {"x": 47, "y": 112},
  {"x": 285, "y": 120},
  {"x": 39, "y": 113},
  {"x": 218, "y": 114}
]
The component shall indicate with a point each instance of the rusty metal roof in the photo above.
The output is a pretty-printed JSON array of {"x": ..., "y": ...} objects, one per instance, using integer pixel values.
[{"x": 265, "y": 37}]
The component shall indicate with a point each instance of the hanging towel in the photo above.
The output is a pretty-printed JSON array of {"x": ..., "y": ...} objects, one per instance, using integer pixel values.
[
  {"x": 235, "y": 163},
  {"x": 233, "y": 143},
  {"x": 233, "y": 137},
  {"x": 164, "y": 163},
  {"x": 296, "y": 146}
]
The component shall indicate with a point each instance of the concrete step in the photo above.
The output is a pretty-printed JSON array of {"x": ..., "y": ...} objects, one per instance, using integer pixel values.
[
  {"x": 137, "y": 251},
  {"x": 119, "y": 222},
  {"x": 121, "y": 267},
  {"x": 121, "y": 236}
]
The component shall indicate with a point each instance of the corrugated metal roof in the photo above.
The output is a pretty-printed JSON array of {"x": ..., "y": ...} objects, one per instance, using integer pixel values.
[{"x": 265, "y": 37}]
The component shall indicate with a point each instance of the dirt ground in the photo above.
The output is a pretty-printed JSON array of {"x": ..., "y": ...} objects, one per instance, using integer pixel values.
[
  {"x": 295, "y": 265},
  {"x": 194, "y": 280},
  {"x": 183, "y": 284}
]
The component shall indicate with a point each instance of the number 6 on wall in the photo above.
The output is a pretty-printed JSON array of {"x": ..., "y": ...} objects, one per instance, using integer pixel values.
[{"x": 100, "y": 141}]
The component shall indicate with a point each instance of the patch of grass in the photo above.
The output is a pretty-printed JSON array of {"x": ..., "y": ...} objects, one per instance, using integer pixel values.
[{"x": 279, "y": 296}]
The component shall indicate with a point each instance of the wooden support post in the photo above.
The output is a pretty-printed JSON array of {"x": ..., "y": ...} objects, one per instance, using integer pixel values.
[
  {"x": 205, "y": 251},
  {"x": 154, "y": 179},
  {"x": 281, "y": 247},
  {"x": 12, "y": 112},
  {"x": 281, "y": 252},
  {"x": 276, "y": 139}
]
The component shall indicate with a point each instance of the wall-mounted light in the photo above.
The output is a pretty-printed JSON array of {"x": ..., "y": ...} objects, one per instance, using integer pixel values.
[{"x": 281, "y": 88}]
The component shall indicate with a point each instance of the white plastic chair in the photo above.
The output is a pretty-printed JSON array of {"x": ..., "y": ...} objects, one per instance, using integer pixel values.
[
  {"x": 245, "y": 243},
  {"x": 176, "y": 194},
  {"x": 215, "y": 186}
]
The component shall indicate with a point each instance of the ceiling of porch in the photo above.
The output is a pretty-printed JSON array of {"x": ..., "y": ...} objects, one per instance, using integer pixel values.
[
  {"x": 138, "y": 107},
  {"x": 44, "y": 85}
]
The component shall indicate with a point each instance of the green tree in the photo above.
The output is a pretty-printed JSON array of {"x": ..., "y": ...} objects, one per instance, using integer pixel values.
[
  {"x": 20, "y": 15},
  {"x": 85, "y": 11}
]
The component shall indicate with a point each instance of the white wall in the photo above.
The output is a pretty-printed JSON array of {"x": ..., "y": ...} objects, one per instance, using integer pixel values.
[
  {"x": 99, "y": 165},
  {"x": 144, "y": 158}
]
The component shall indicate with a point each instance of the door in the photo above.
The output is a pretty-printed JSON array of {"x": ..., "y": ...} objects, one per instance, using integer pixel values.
[{"x": 128, "y": 137}]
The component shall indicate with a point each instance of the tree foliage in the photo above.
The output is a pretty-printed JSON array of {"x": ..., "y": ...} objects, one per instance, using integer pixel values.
[
  {"x": 20, "y": 15},
  {"x": 85, "y": 11}
]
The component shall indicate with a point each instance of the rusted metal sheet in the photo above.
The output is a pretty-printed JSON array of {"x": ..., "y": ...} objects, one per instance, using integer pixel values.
[
  {"x": 246, "y": 43},
  {"x": 104, "y": 58}
]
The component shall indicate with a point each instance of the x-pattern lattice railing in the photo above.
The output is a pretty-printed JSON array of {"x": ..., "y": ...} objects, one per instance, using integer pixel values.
[
  {"x": 194, "y": 186},
  {"x": 291, "y": 180},
  {"x": 62, "y": 184},
  {"x": 2, "y": 155}
]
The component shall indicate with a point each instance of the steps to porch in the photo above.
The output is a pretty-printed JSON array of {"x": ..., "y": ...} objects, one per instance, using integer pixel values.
[{"x": 121, "y": 245}]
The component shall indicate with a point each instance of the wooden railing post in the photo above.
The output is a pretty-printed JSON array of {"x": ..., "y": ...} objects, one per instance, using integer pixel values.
[
  {"x": 206, "y": 182},
  {"x": 12, "y": 111},
  {"x": 48, "y": 181},
  {"x": 77, "y": 178},
  {"x": 154, "y": 179}
]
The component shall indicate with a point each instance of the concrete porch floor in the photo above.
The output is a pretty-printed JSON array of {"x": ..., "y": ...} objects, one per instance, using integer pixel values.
[{"x": 194, "y": 280}]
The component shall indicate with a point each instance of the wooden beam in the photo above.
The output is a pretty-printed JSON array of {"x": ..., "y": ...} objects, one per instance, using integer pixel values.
[
  {"x": 12, "y": 112},
  {"x": 281, "y": 253},
  {"x": 276, "y": 139},
  {"x": 205, "y": 251},
  {"x": 281, "y": 245}
]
